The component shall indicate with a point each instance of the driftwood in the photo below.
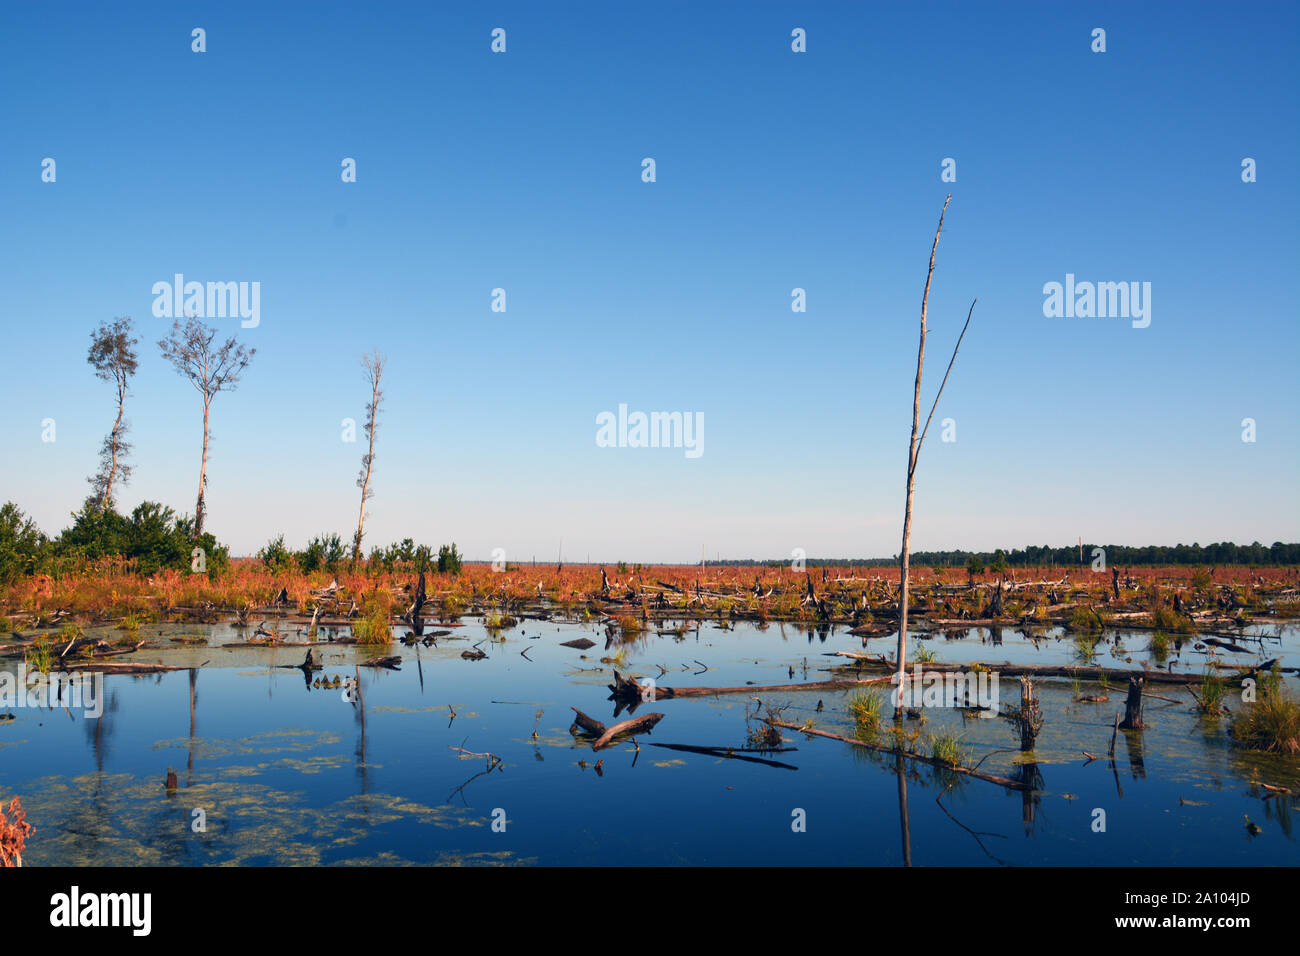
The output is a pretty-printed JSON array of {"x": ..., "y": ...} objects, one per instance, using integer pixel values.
[
  {"x": 605, "y": 735},
  {"x": 581, "y": 643},
  {"x": 637, "y": 725},
  {"x": 391, "y": 663}
]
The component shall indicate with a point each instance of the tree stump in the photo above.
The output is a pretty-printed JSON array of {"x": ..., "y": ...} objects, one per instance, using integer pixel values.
[
  {"x": 1030, "y": 719},
  {"x": 1133, "y": 705}
]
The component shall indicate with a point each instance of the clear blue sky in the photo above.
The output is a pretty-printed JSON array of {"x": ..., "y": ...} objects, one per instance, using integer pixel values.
[{"x": 775, "y": 170}]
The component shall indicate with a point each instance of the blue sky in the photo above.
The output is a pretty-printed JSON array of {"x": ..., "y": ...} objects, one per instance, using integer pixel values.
[{"x": 775, "y": 170}]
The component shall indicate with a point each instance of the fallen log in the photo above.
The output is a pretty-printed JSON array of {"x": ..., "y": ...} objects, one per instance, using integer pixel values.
[
  {"x": 881, "y": 748},
  {"x": 589, "y": 724},
  {"x": 629, "y": 690},
  {"x": 122, "y": 668},
  {"x": 637, "y": 725}
]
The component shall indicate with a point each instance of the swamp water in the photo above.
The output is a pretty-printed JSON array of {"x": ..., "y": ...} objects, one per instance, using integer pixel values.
[{"x": 288, "y": 774}]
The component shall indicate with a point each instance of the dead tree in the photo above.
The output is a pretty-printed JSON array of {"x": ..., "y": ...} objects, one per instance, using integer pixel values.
[
  {"x": 210, "y": 370},
  {"x": 374, "y": 366},
  {"x": 1030, "y": 719},
  {"x": 914, "y": 452}
]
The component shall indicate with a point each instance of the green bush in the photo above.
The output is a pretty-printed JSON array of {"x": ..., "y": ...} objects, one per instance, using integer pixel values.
[
  {"x": 153, "y": 537},
  {"x": 22, "y": 546},
  {"x": 449, "y": 559},
  {"x": 275, "y": 555}
]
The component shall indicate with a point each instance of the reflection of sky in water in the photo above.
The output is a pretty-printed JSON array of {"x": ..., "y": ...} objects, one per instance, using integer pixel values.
[{"x": 291, "y": 775}]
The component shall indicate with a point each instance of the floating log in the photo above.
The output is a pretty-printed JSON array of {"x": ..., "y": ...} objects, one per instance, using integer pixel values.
[
  {"x": 391, "y": 663},
  {"x": 589, "y": 724},
  {"x": 637, "y": 725},
  {"x": 581, "y": 643}
]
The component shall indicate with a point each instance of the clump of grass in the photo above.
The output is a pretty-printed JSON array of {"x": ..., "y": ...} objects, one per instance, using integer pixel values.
[
  {"x": 1159, "y": 646},
  {"x": 1272, "y": 722},
  {"x": 1210, "y": 699},
  {"x": 1085, "y": 646},
  {"x": 864, "y": 708},
  {"x": 40, "y": 656},
  {"x": 629, "y": 625},
  {"x": 923, "y": 655},
  {"x": 944, "y": 748},
  {"x": 1167, "y": 619},
  {"x": 130, "y": 623},
  {"x": 1084, "y": 619},
  {"x": 373, "y": 627}
]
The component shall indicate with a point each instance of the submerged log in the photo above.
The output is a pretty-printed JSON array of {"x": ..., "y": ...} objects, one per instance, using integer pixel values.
[{"x": 881, "y": 748}]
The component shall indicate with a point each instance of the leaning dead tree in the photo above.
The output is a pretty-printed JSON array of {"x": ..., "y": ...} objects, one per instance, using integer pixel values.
[
  {"x": 210, "y": 369},
  {"x": 113, "y": 357},
  {"x": 374, "y": 366},
  {"x": 914, "y": 452}
]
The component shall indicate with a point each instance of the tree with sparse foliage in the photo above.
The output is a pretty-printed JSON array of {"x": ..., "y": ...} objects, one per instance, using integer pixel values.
[
  {"x": 113, "y": 357},
  {"x": 210, "y": 369},
  {"x": 374, "y": 366}
]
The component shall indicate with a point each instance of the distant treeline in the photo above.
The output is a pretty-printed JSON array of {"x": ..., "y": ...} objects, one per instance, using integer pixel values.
[{"x": 1117, "y": 555}]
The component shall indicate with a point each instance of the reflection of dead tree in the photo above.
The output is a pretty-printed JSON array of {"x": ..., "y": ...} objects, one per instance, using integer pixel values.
[
  {"x": 734, "y": 753},
  {"x": 975, "y": 834},
  {"x": 904, "y": 819}
]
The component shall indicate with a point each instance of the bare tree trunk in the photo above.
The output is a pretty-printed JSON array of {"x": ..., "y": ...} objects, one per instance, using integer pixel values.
[
  {"x": 914, "y": 454},
  {"x": 374, "y": 370},
  {"x": 912, "y": 450},
  {"x": 112, "y": 470},
  {"x": 203, "y": 470}
]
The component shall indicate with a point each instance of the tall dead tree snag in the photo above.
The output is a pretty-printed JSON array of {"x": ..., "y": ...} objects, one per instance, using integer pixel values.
[
  {"x": 914, "y": 452},
  {"x": 374, "y": 366},
  {"x": 210, "y": 370}
]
